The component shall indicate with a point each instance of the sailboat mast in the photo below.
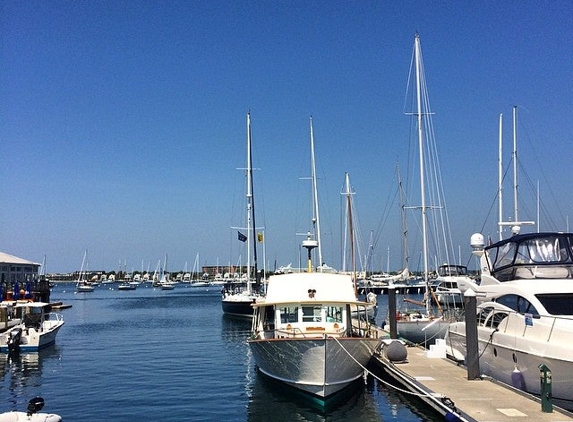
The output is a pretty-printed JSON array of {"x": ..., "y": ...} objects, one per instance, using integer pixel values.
[
  {"x": 500, "y": 177},
  {"x": 515, "y": 205},
  {"x": 250, "y": 208},
  {"x": 418, "y": 56},
  {"x": 315, "y": 217},
  {"x": 405, "y": 253},
  {"x": 351, "y": 229}
]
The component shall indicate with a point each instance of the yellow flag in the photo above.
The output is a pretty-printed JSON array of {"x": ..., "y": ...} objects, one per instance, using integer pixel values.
[{"x": 260, "y": 237}]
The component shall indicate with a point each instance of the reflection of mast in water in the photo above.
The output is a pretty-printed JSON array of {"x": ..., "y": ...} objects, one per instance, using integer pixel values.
[{"x": 234, "y": 331}]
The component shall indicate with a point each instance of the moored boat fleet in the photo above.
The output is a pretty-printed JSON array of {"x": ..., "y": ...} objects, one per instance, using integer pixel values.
[{"x": 311, "y": 330}]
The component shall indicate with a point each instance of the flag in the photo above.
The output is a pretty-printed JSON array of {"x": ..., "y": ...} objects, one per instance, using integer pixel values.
[
  {"x": 241, "y": 237},
  {"x": 260, "y": 237}
]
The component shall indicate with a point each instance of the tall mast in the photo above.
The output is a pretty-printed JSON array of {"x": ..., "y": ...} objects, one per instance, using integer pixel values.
[
  {"x": 515, "y": 184},
  {"x": 405, "y": 253},
  {"x": 250, "y": 210},
  {"x": 418, "y": 56},
  {"x": 315, "y": 217},
  {"x": 500, "y": 178},
  {"x": 351, "y": 229}
]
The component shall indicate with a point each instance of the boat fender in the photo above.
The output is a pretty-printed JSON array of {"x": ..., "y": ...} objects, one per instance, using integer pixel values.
[
  {"x": 517, "y": 379},
  {"x": 395, "y": 351}
]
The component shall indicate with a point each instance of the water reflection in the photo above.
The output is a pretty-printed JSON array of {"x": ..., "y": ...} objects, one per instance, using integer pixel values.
[
  {"x": 22, "y": 374},
  {"x": 273, "y": 400}
]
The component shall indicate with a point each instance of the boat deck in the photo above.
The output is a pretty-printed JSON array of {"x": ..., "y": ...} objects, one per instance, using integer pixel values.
[{"x": 474, "y": 400}]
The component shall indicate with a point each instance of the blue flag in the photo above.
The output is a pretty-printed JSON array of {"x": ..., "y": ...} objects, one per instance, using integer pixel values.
[{"x": 241, "y": 237}]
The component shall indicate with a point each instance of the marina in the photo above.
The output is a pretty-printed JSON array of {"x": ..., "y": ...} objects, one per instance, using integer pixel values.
[
  {"x": 148, "y": 355},
  {"x": 151, "y": 354}
]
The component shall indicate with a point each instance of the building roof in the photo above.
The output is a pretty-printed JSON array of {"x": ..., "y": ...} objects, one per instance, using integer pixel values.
[{"x": 11, "y": 259}]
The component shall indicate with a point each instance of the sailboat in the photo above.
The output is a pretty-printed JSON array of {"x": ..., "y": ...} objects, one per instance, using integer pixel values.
[
  {"x": 82, "y": 284},
  {"x": 160, "y": 277},
  {"x": 372, "y": 309},
  {"x": 423, "y": 326},
  {"x": 237, "y": 300},
  {"x": 195, "y": 280}
]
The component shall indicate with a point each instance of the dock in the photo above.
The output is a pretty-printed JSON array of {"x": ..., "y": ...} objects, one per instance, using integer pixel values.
[{"x": 444, "y": 385}]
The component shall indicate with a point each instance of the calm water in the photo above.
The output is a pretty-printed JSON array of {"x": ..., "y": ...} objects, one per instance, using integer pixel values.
[{"x": 153, "y": 355}]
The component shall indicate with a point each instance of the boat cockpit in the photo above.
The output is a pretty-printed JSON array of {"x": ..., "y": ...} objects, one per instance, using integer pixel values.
[{"x": 532, "y": 256}]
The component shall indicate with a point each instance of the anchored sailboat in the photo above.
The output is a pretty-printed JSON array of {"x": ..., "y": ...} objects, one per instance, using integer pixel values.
[
  {"x": 237, "y": 300},
  {"x": 422, "y": 326}
]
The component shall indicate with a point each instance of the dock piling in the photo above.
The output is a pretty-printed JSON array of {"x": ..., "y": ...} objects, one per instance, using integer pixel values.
[{"x": 472, "y": 352}]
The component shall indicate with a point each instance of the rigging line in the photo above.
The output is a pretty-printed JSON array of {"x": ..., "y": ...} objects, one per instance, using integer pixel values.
[
  {"x": 386, "y": 383},
  {"x": 536, "y": 159}
]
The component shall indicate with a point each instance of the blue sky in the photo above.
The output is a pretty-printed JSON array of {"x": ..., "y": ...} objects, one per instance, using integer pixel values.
[{"x": 123, "y": 123}]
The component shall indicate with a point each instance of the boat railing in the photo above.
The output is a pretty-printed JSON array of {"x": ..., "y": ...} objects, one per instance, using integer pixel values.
[
  {"x": 546, "y": 328},
  {"x": 53, "y": 319}
]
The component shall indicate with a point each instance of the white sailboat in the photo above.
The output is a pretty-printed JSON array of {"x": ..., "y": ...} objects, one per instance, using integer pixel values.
[
  {"x": 161, "y": 278},
  {"x": 196, "y": 281},
  {"x": 237, "y": 300},
  {"x": 82, "y": 284},
  {"x": 423, "y": 327}
]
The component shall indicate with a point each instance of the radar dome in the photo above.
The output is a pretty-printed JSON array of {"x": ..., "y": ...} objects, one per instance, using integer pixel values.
[{"x": 477, "y": 241}]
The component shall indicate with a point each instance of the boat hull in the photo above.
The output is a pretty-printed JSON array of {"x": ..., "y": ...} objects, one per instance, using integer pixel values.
[
  {"x": 422, "y": 332},
  {"x": 519, "y": 368},
  {"x": 239, "y": 307},
  {"x": 24, "y": 416},
  {"x": 32, "y": 340},
  {"x": 319, "y": 366}
]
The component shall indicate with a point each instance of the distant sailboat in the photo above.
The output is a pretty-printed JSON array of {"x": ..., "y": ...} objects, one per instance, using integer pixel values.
[{"x": 82, "y": 284}]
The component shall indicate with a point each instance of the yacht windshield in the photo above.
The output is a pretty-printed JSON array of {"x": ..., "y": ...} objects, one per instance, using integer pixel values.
[
  {"x": 557, "y": 303},
  {"x": 543, "y": 250}
]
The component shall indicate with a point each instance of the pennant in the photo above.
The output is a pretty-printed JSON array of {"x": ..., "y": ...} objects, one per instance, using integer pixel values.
[
  {"x": 241, "y": 237},
  {"x": 260, "y": 237}
]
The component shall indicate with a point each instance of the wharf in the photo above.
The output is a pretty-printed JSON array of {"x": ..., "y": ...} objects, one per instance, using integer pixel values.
[{"x": 444, "y": 385}]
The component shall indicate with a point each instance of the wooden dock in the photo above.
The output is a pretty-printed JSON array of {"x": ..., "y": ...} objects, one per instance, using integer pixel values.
[{"x": 444, "y": 385}]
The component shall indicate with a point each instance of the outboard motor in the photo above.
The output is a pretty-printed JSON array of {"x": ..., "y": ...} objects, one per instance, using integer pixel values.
[
  {"x": 14, "y": 341},
  {"x": 35, "y": 405}
]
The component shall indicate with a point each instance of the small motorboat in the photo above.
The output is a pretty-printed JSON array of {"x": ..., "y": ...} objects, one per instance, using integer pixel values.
[{"x": 34, "y": 406}]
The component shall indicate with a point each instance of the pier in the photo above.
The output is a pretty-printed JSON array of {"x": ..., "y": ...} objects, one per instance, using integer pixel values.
[{"x": 444, "y": 385}]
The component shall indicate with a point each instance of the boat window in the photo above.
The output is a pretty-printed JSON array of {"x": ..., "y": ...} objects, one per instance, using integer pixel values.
[
  {"x": 289, "y": 314},
  {"x": 497, "y": 318},
  {"x": 505, "y": 255},
  {"x": 483, "y": 314},
  {"x": 334, "y": 314},
  {"x": 452, "y": 270},
  {"x": 519, "y": 304},
  {"x": 543, "y": 250},
  {"x": 311, "y": 313},
  {"x": 557, "y": 303}
]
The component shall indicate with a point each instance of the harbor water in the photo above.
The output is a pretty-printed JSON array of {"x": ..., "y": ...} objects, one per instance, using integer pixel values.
[{"x": 154, "y": 355}]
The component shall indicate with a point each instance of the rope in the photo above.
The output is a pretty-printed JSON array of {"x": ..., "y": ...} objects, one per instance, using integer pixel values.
[{"x": 386, "y": 383}]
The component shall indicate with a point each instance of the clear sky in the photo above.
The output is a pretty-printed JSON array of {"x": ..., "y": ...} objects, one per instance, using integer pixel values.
[{"x": 122, "y": 123}]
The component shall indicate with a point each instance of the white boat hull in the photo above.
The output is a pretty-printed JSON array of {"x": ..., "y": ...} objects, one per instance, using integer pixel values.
[
  {"x": 23, "y": 416},
  {"x": 500, "y": 360},
  {"x": 319, "y": 366},
  {"x": 33, "y": 338}
]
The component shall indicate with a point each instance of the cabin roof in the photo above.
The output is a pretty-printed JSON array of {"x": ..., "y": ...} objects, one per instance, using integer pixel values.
[{"x": 310, "y": 287}]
